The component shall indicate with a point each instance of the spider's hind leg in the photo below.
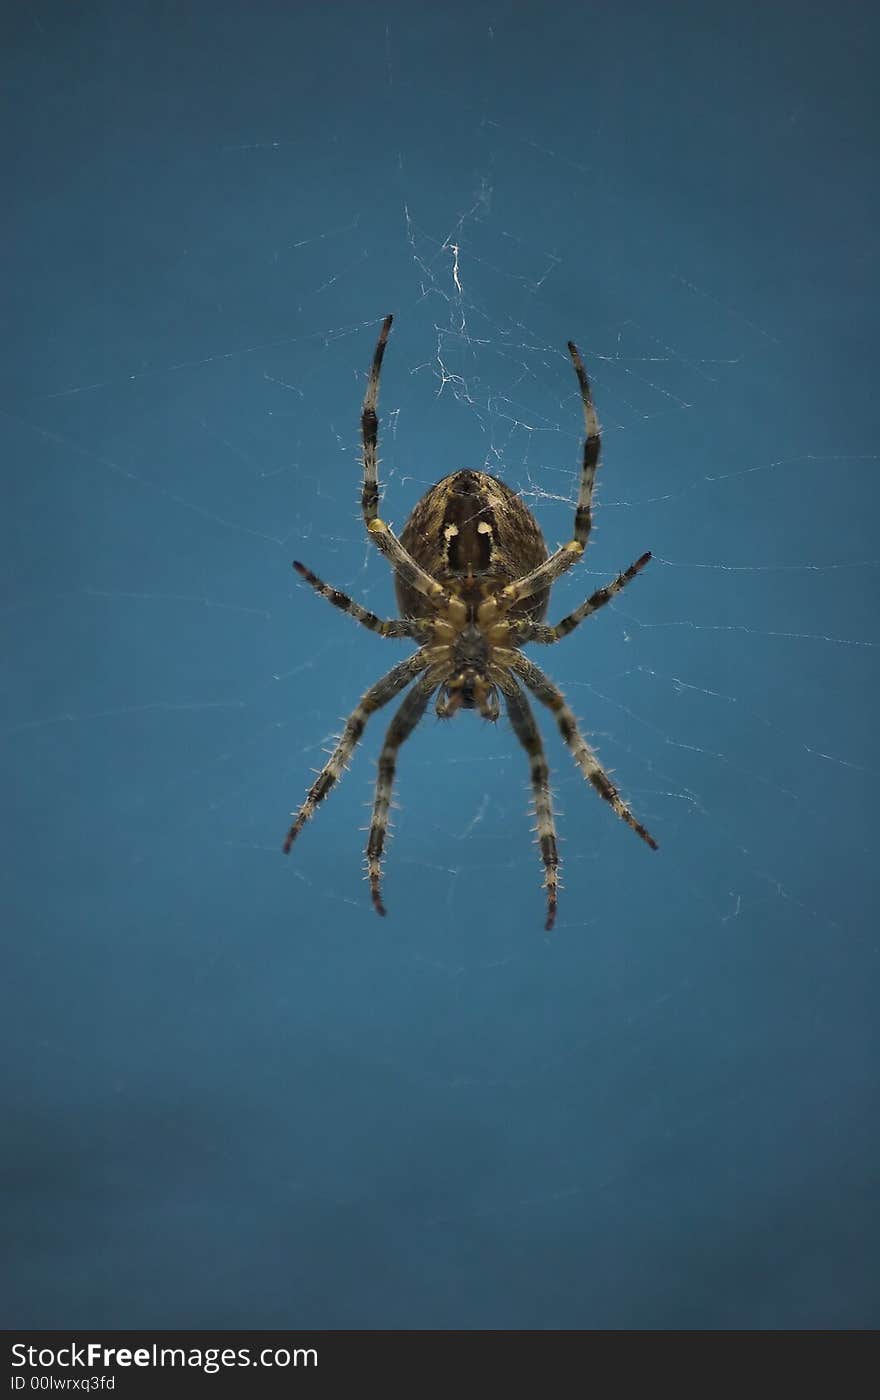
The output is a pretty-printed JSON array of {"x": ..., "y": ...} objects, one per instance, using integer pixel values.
[
  {"x": 379, "y": 530},
  {"x": 567, "y": 555},
  {"x": 583, "y": 516},
  {"x": 370, "y": 428}
]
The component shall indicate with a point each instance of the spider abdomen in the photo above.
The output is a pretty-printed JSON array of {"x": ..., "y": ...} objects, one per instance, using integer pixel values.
[{"x": 475, "y": 535}]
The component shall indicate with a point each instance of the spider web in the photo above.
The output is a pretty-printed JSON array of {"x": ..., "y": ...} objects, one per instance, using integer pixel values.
[
  {"x": 182, "y": 447},
  {"x": 502, "y": 388}
]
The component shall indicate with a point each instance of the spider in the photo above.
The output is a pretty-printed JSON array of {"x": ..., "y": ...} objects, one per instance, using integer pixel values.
[{"x": 472, "y": 577}]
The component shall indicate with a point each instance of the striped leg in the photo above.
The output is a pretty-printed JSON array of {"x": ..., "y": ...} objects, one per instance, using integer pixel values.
[
  {"x": 378, "y": 530},
  {"x": 584, "y": 757},
  {"x": 386, "y": 627},
  {"x": 377, "y": 696},
  {"x": 568, "y": 554},
  {"x": 405, "y": 566},
  {"x": 536, "y": 632},
  {"x": 370, "y": 428},
  {"x": 583, "y": 516},
  {"x": 526, "y": 730},
  {"x": 400, "y": 728}
]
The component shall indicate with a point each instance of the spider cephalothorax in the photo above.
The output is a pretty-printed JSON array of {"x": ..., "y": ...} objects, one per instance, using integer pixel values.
[
  {"x": 473, "y": 581},
  {"x": 468, "y": 687}
]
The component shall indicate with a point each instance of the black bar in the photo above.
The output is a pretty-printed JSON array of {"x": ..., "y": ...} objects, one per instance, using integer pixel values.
[{"x": 93, "y": 1361}]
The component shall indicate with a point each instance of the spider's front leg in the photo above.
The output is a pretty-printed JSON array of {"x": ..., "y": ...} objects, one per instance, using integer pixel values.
[
  {"x": 400, "y": 728},
  {"x": 545, "y": 691},
  {"x": 377, "y": 696}
]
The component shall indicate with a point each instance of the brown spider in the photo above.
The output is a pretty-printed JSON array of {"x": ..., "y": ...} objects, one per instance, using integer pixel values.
[{"x": 473, "y": 580}]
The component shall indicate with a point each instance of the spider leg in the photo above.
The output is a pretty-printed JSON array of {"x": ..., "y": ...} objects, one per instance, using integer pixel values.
[
  {"x": 378, "y": 530},
  {"x": 386, "y": 627},
  {"x": 584, "y": 757},
  {"x": 370, "y": 428},
  {"x": 526, "y": 730},
  {"x": 526, "y": 631},
  {"x": 400, "y": 728},
  {"x": 377, "y": 696},
  {"x": 583, "y": 517},
  {"x": 568, "y": 554}
]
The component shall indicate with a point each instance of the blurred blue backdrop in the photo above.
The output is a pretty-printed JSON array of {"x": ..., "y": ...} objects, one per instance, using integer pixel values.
[{"x": 239, "y": 1099}]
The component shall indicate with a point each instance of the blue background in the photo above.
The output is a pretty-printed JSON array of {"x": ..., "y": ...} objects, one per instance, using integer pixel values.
[{"x": 238, "y": 1098}]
